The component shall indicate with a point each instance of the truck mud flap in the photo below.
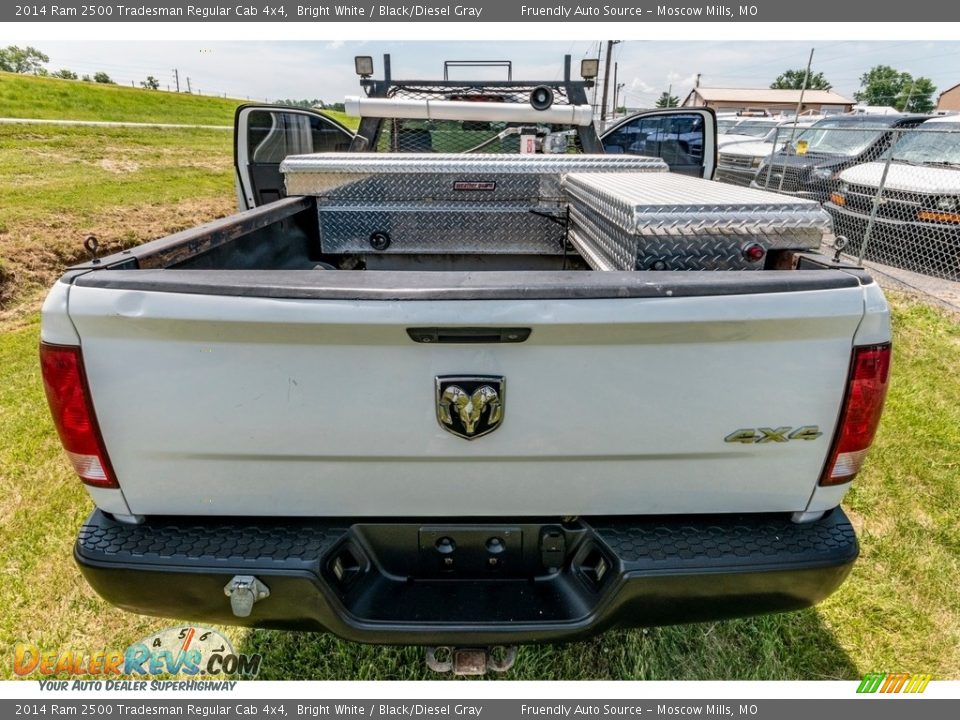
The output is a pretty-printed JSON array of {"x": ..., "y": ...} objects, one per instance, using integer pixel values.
[{"x": 484, "y": 582}]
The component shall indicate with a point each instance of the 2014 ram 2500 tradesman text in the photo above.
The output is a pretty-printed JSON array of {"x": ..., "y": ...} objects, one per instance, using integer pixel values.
[{"x": 435, "y": 398}]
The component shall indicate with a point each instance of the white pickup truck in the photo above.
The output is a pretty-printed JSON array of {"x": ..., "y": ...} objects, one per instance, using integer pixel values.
[{"x": 439, "y": 399}]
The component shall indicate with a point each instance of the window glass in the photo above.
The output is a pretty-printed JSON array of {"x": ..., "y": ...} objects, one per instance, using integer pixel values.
[{"x": 272, "y": 135}]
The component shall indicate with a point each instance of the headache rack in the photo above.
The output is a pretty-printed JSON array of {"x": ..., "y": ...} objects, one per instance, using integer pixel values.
[{"x": 404, "y": 135}]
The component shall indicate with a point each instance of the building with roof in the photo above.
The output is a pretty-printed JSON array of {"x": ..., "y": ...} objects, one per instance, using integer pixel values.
[
  {"x": 823, "y": 102},
  {"x": 949, "y": 100}
]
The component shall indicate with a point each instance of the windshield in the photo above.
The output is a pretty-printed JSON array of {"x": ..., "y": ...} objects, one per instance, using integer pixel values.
[
  {"x": 934, "y": 144},
  {"x": 842, "y": 138},
  {"x": 724, "y": 126},
  {"x": 753, "y": 128},
  {"x": 783, "y": 133}
]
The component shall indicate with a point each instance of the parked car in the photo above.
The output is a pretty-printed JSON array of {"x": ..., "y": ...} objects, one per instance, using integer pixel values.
[
  {"x": 917, "y": 220},
  {"x": 809, "y": 168},
  {"x": 747, "y": 130},
  {"x": 726, "y": 123},
  {"x": 737, "y": 163}
]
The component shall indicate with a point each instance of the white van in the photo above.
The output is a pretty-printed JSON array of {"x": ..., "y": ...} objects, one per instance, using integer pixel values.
[{"x": 917, "y": 221}]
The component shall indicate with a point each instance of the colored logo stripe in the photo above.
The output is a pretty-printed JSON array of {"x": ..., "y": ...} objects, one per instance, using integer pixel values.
[
  {"x": 917, "y": 684},
  {"x": 893, "y": 683}
]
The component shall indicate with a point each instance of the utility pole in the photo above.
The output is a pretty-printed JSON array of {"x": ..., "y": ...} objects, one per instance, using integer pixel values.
[
  {"x": 806, "y": 79},
  {"x": 906, "y": 106},
  {"x": 613, "y": 110},
  {"x": 188, "y": 86},
  {"x": 176, "y": 77},
  {"x": 606, "y": 79},
  {"x": 796, "y": 118},
  {"x": 616, "y": 92}
]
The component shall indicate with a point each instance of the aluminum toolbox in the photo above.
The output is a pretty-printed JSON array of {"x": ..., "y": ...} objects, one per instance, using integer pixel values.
[
  {"x": 443, "y": 203},
  {"x": 676, "y": 222}
]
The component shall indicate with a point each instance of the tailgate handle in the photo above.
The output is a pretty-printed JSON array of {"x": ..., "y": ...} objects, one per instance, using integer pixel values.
[{"x": 468, "y": 335}]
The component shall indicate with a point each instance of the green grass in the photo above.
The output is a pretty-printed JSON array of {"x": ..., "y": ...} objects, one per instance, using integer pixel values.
[
  {"x": 25, "y": 96},
  {"x": 348, "y": 121},
  {"x": 899, "y": 610},
  {"x": 123, "y": 185}
]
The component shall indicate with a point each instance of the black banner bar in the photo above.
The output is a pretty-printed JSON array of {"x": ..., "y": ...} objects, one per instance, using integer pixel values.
[
  {"x": 479, "y": 11},
  {"x": 231, "y": 708}
]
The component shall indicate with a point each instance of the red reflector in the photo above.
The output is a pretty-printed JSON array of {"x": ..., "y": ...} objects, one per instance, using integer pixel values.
[
  {"x": 754, "y": 252},
  {"x": 69, "y": 397},
  {"x": 862, "y": 406}
]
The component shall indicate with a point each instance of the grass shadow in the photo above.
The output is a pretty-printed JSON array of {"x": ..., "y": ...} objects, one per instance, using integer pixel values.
[{"x": 792, "y": 646}]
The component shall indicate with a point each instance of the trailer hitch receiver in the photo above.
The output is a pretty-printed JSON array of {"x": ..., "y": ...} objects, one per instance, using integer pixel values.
[{"x": 471, "y": 661}]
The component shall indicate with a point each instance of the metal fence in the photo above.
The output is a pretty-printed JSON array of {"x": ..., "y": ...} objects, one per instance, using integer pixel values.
[{"x": 893, "y": 193}]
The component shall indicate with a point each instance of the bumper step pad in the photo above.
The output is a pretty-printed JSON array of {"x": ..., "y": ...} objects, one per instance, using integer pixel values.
[{"x": 378, "y": 581}]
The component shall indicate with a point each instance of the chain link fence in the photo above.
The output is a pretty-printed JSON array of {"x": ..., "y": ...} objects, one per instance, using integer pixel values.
[{"x": 893, "y": 193}]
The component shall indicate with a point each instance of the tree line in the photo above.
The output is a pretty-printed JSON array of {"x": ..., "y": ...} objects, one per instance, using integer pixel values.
[
  {"x": 880, "y": 85},
  {"x": 30, "y": 61}
]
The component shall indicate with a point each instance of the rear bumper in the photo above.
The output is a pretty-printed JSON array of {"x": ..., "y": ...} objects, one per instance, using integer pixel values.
[{"x": 387, "y": 583}]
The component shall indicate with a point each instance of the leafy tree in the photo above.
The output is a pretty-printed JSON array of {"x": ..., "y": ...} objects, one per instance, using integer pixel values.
[
  {"x": 103, "y": 78},
  {"x": 302, "y": 103},
  {"x": 916, "y": 96},
  {"x": 793, "y": 80},
  {"x": 151, "y": 83},
  {"x": 64, "y": 74},
  {"x": 666, "y": 100},
  {"x": 22, "y": 60},
  {"x": 86, "y": 78},
  {"x": 884, "y": 85}
]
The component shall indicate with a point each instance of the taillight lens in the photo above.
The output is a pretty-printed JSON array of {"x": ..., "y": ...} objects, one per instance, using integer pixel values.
[
  {"x": 860, "y": 416},
  {"x": 69, "y": 397}
]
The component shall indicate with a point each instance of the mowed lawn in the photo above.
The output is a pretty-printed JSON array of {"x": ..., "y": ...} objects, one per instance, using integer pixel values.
[
  {"x": 899, "y": 611},
  {"x": 26, "y": 96},
  {"x": 62, "y": 184}
]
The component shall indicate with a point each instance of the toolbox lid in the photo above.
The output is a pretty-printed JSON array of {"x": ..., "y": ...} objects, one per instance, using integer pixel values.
[{"x": 639, "y": 202}]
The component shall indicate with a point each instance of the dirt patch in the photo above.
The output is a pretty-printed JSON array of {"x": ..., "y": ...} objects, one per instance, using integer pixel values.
[
  {"x": 119, "y": 167},
  {"x": 35, "y": 254}
]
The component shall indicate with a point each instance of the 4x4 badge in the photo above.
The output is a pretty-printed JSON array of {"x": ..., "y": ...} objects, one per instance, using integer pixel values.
[{"x": 470, "y": 406}]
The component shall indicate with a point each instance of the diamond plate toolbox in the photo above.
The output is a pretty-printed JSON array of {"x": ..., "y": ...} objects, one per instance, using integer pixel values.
[
  {"x": 442, "y": 203},
  {"x": 676, "y": 222}
]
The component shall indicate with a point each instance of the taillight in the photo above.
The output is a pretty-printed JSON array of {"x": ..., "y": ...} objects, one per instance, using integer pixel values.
[
  {"x": 69, "y": 397},
  {"x": 860, "y": 416}
]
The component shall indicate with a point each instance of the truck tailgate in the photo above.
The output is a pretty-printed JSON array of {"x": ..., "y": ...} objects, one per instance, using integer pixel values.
[{"x": 236, "y": 405}]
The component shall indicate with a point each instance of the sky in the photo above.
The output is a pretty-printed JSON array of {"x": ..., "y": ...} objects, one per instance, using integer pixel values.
[{"x": 324, "y": 70}]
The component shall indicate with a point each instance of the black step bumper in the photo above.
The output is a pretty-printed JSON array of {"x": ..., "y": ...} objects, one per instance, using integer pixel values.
[{"x": 382, "y": 582}]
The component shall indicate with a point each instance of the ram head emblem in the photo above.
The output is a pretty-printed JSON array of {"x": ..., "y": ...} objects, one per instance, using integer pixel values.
[{"x": 470, "y": 406}]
